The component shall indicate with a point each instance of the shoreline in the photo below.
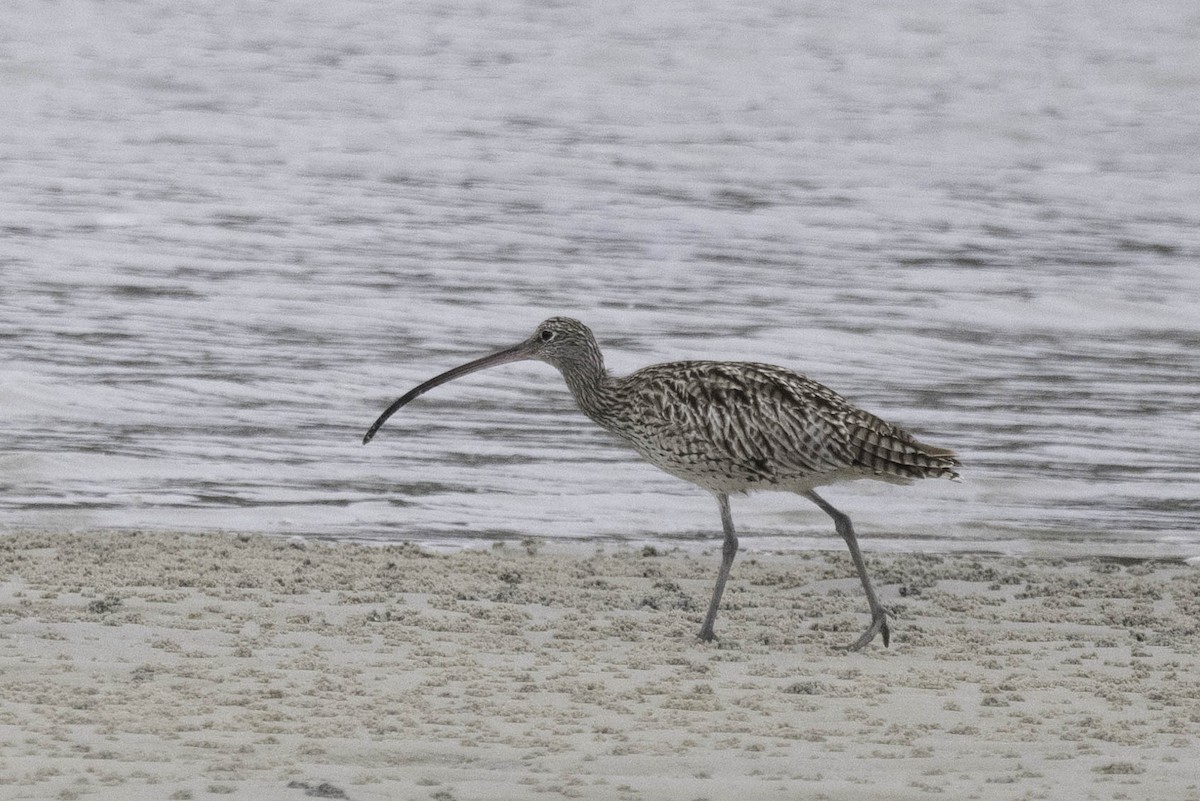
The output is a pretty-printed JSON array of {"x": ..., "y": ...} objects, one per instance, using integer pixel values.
[
  {"x": 176, "y": 666},
  {"x": 882, "y": 544}
]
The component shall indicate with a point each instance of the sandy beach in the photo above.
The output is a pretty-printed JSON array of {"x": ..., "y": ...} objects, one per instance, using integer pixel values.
[{"x": 176, "y": 666}]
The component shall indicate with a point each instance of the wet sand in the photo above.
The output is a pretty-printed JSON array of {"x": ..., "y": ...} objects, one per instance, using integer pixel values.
[{"x": 174, "y": 666}]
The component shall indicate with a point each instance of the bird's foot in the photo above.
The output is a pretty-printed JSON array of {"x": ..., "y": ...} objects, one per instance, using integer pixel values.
[
  {"x": 706, "y": 634},
  {"x": 879, "y": 625}
]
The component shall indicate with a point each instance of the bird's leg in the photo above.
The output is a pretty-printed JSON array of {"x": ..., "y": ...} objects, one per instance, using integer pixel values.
[
  {"x": 879, "y": 624},
  {"x": 727, "y": 553}
]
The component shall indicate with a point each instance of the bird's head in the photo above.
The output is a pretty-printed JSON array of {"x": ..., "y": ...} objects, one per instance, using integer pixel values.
[{"x": 562, "y": 342}]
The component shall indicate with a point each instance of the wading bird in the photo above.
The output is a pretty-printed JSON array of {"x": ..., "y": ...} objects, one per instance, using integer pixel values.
[{"x": 729, "y": 427}]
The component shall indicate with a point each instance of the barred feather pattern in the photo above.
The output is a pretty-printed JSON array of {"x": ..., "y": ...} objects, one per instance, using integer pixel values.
[{"x": 740, "y": 426}]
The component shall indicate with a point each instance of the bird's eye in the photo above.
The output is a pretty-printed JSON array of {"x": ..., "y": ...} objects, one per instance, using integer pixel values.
[{"x": 547, "y": 336}]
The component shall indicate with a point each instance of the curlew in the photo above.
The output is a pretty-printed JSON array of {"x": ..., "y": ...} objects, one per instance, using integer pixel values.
[{"x": 728, "y": 427}]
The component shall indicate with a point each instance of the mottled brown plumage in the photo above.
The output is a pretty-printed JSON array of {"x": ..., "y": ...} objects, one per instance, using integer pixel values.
[
  {"x": 729, "y": 427},
  {"x": 738, "y": 426}
]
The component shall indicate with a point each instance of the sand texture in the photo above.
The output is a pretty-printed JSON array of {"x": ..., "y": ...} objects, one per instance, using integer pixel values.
[{"x": 172, "y": 666}]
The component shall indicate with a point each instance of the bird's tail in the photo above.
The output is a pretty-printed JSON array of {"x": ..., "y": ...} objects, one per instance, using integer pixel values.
[{"x": 891, "y": 453}]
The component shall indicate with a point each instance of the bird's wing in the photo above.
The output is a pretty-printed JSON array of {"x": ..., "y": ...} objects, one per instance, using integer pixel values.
[{"x": 758, "y": 419}]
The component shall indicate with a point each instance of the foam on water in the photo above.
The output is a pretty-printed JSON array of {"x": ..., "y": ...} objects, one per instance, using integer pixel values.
[{"x": 232, "y": 236}]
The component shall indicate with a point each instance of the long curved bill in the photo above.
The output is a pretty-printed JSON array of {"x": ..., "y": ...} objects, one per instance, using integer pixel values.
[{"x": 514, "y": 354}]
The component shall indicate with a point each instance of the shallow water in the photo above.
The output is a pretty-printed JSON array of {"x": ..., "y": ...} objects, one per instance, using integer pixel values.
[{"x": 230, "y": 239}]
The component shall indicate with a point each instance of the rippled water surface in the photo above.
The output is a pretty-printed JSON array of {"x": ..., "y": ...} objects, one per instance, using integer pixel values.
[{"x": 232, "y": 234}]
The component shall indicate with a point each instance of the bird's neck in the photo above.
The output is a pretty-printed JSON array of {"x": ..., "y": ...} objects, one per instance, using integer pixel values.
[{"x": 592, "y": 387}]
